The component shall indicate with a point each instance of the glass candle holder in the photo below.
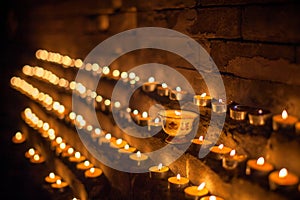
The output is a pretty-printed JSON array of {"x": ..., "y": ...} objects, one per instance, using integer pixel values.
[
  {"x": 238, "y": 112},
  {"x": 219, "y": 106},
  {"x": 258, "y": 117}
]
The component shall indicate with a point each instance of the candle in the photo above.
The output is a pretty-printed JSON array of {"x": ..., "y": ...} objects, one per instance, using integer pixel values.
[
  {"x": 52, "y": 178},
  {"x": 144, "y": 120},
  {"x": 127, "y": 149},
  {"x": 202, "y": 100},
  {"x": 284, "y": 122},
  {"x": 177, "y": 94},
  {"x": 138, "y": 156},
  {"x": 283, "y": 180},
  {"x": 117, "y": 144},
  {"x": 212, "y": 197},
  {"x": 159, "y": 171},
  {"x": 18, "y": 138},
  {"x": 163, "y": 90},
  {"x": 238, "y": 112},
  {"x": 30, "y": 153},
  {"x": 232, "y": 160},
  {"x": 84, "y": 165},
  {"x": 258, "y": 117},
  {"x": 177, "y": 182},
  {"x": 149, "y": 86},
  {"x": 194, "y": 192},
  {"x": 93, "y": 172},
  {"x": 77, "y": 157},
  {"x": 200, "y": 141},
  {"x": 297, "y": 127},
  {"x": 217, "y": 152},
  {"x": 59, "y": 184},
  {"x": 36, "y": 158},
  {"x": 218, "y": 106},
  {"x": 258, "y": 167}
]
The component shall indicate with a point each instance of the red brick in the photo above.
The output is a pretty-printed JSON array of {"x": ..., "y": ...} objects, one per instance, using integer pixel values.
[{"x": 279, "y": 23}]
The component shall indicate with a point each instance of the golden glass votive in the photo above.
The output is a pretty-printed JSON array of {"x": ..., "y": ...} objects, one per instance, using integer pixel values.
[
  {"x": 159, "y": 171},
  {"x": 202, "y": 100},
  {"x": 259, "y": 117},
  {"x": 238, "y": 112}
]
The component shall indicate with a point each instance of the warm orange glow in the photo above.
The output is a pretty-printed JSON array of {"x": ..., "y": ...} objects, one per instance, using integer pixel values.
[
  {"x": 232, "y": 152},
  {"x": 46, "y": 126},
  {"x": 18, "y": 136},
  {"x": 58, "y": 140},
  {"x": 72, "y": 85},
  {"x": 260, "y": 161},
  {"x": 221, "y": 146},
  {"x": 178, "y": 177},
  {"x": 72, "y": 115},
  {"x": 283, "y": 173},
  {"x": 201, "y": 186},
  {"x": 284, "y": 114},
  {"x": 88, "y": 67},
  {"x": 62, "y": 145},
  {"x": 124, "y": 75},
  {"x": 144, "y": 114}
]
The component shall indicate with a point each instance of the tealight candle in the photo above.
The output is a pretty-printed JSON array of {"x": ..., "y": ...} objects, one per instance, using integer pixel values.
[
  {"x": 283, "y": 180},
  {"x": 150, "y": 85},
  {"x": 77, "y": 157},
  {"x": 177, "y": 182},
  {"x": 117, "y": 144},
  {"x": 93, "y": 172},
  {"x": 144, "y": 120},
  {"x": 194, "y": 192},
  {"x": 200, "y": 141},
  {"x": 202, "y": 100},
  {"x": 217, "y": 152},
  {"x": 84, "y": 165},
  {"x": 258, "y": 167},
  {"x": 232, "y": 160},
  {"x": 238, "y": 112},
  {"x": 177, "y": 94},
  {"x": 18, "y": 138},
  {"x": 138, "y": 156},
  {"x": 127, "y": 149},
  {"x": 52, "y": 178},
  {"x": 258, "y": 117},
  {"x": 59, "y": 184},
  {"x": 212, "y": 197},
  {"x": 284, "y": 122},
  {"x": 163, "y": 90},
  {"x": 159, "y": 171},
  {"x": 37, "y": 159},
  {"x": 219, "y": 106}
]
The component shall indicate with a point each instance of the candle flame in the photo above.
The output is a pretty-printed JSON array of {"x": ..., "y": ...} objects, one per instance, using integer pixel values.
[
  {"x": 151, "y": 79},
  {"x": 86, "y": 163},
  {"x": 232, "y": 152},
  {"x": 135, "y": 112},
  {"x": 156, "y": 120},
  {"x": 201, "y": 186},
  {"x": 159, "y": 166},
  {"x": 31, "y": 151},
  {"x": 119, "y": 141},
  {"x": 260, "y": 111},
  {"x": 164, "y": 85},
  {"x": 58, "y": 140},
  {"x": 70, "y": 150},
  {"x": 138, "y": 154},
  {"x": 283, "y": 173},
  {"x": 51, "y": 175},
  {"x": 178, "y": 177},
  {"x": 36, "y": 157},
  {"x": 62, "y": 145},
  {"x": 212, "y": 198},
  {"x": 116, "y": 73},
  {"x": 178, "y": 89},
  {"x": 126, "y": 147},
  {"x": 18, "y": 135},
  {"x": 203, "y": 95},
  {"x": 284, "y": 114},
  {"x": 177, "y": 113},
  {"x": 220, "y": 100},
  {"x": 108, "y": 136},
  {"x": 117, "y": 104},
  {"x": 221, "y": 146},
  {"x": 201, "y": 138},
  {"x": 58, "y": 182},
  {"x": 77, "y": 154},
  {"x": 260, "y": 161},
  {"x": 92, "y": 170},
  {"x": 144, "y": 114},
  {"x": 107, "y": 102}
]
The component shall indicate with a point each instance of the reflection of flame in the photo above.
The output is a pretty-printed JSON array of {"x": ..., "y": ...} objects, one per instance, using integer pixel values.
[
  {"x": 178, "y": 177},
  {"x": 260, "y": 161},
  {"x": 221, "y": 146},
  {"x": 203, "y": 95},
  {"x": 284, "y": 114},
  {"x": 201, "y": 186},
  {"x": 159, "y": 166},
  {"x": 232, "y": 152},
  {"x": 283, "y": 173}
]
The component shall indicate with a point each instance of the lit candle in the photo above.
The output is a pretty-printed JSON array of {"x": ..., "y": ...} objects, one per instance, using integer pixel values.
[
  {"x": 232, "y": 160},
  {"x": 200, "y": 141},
  {"x": 77, "y": 157},
  {"x": 144, "y": 120},
  {"x": 163, "y": 90},
  {"x": 84, "y": 165},
  {"x": 138, "y": 156},
  {"x": 93, "y": 172},
  {"x": 36, "y": 158},
  {"x": 159, "y": 171},
  {"x": 69, "y": 152},
  {"x": 59, "y": 184},
  {"x": 258, "y": 167},
  {"x": 117, "y": 144},
  {"x": 202, "y": 100},
  {"x": 149, "y": 86},
  {"x": 177, "y": 94},
  {"x": 283, "y": 180},
  {"x": 212, "y": 197},
  {"x": 30, "y": 153},
  {"x": 127, "y": 149},
  {"x": 219, "y": 106},
  {"x": 284, "y": 122},
  {"x": 194, "y": 192},
  {"x": 52, "y": 178},
  {"x": 238, "y": 112},
  {"x": 177, "y": 182},
  {"x": 259, "y": 117},
  {"x": 18, "y": 138},
  {"x": 217, "y": 152}
]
